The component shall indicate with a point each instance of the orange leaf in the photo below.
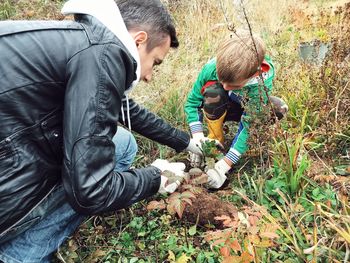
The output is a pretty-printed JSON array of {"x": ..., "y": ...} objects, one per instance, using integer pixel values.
[
  {"x": 269, "y": 235},
  {"x": 218, "y": 241},
  {"x": 225, "y": 251},
  {"x": 222, "y": 218},
  {"x": 171, "y": 209},
  {"x": 246, "y": 257},
  {"x": 217, "y": 235},
  {"x": 265, "y": 243},
  {"x": 253, "y": 230},
  {"x": 253, "y": 220},
  {"x": 232, "y": 259},
  {"x": 255, "y": 239},
  {"x": 156, "y": 205},
  {"x": 187, "y": 194},
  {"x": 179, "y": 207},
  {"x": 193, "y": 189},
  {"x": 174, "y": 196},
  {"x": 235, "y": 246},
  {"x": 226, "y": 220},
  {"x": 252, "y": 212},
  {"x": 187, "y": 200}
]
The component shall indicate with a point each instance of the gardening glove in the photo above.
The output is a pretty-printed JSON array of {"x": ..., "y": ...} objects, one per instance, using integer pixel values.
[
  {"x": 172, "y": 175},
  {"x": 279, "y": 106},
  {"x": 196, "y": 143},
  {"x": 198, "y": 138},
  {"x": 217, "y": 176}
]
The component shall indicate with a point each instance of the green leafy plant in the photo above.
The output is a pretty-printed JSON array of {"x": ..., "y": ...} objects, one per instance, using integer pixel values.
[
  {"x": 210, "y": 149},
  {"x": 294, "y": 162}
]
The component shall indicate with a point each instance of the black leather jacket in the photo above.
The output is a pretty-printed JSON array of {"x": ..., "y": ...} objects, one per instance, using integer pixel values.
[{"x": 61, "y": 90}]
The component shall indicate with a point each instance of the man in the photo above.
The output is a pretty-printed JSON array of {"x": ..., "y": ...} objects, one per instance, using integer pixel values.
[{"x": 63, "y": 89}]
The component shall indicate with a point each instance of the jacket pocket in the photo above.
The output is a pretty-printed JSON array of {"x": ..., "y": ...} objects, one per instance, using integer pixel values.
[
  {"x": 18, "y": 229},
  {"x": 52, "y": 130},
  {"x": 8, "y": 156}
]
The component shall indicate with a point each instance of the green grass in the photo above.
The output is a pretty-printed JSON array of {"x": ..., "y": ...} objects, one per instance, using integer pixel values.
[
  {"x": 6, "y": 10},
  {"x": 277, "y": 175}
]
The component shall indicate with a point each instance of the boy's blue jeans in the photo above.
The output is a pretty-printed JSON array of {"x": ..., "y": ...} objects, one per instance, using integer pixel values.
[{"x": 53, "y": 221}]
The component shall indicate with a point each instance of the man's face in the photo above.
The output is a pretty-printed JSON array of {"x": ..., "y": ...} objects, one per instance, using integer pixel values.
[{"x": 152, "y": 58}]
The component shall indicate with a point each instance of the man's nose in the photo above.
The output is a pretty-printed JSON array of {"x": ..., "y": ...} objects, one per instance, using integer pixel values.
[{"x": 148, "y": 78}]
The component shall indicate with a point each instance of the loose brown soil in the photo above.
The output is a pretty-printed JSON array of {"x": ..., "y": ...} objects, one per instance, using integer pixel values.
[{"x": 205, "y": 208}]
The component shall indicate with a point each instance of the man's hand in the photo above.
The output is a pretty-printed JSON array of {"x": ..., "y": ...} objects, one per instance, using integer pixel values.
[
  {"x": 172, "y": 175},
  {"x": 217, "y": 176},
  {"x": 195, "y": 145},
  {"x": 195, "y": 148}
]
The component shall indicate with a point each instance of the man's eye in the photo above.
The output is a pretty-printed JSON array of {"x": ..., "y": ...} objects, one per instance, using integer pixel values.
[{"x": 156, "y": 63}]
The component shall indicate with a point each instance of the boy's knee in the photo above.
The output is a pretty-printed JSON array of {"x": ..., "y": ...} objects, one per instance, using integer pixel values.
[{"x": 215, "y": 101}]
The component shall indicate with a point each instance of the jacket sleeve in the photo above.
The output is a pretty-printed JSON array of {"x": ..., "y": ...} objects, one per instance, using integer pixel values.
[
  {"x": 194, "y": 100},
  {"x": 153, "y": 127},
  {"x": 96, "y": 80}
]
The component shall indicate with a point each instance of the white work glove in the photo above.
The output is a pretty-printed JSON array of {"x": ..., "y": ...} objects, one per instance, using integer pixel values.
[
  {"x": 195, "y": 145},
  {"x": 169, "y": 183},
  {"x": 217, "y": 176},
  {"x": 195, "y": 148}
]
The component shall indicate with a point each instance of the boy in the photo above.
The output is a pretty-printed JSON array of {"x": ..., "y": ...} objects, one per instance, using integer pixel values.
[{"x": 223, "y": 85}]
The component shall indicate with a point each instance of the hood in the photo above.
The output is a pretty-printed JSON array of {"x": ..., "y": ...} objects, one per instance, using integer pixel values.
[{"x": 107, "y": 12}]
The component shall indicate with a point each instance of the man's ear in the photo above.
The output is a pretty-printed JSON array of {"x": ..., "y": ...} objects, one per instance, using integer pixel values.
[{"x": 140, "y": 37}]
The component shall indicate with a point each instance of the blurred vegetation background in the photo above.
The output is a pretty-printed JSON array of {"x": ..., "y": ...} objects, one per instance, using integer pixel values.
[{"x": 295, "y": 175}]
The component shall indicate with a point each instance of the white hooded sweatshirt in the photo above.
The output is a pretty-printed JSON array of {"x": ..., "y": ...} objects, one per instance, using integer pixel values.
[{"x": 107, "y": 12}]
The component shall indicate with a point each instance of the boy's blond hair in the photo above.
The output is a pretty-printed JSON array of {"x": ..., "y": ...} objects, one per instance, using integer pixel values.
[{"x": 237, "y": 58}]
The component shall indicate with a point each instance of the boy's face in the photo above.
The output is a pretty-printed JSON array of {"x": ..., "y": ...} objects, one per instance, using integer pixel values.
[{"x": 237, "y": 85}]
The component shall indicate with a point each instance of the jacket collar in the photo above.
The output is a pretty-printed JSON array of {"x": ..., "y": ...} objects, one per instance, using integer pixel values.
[{"x": 107, "y": 12}]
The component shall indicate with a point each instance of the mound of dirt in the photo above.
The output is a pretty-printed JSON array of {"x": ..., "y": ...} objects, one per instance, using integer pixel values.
[{"x": 206, "y": 207}]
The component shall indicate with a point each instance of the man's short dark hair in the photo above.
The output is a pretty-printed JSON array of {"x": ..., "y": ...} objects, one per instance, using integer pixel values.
[{"x": 150, "y": 16}]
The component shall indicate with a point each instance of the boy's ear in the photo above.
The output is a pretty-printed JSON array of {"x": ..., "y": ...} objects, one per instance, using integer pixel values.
[{"x": 140, "y": 37}]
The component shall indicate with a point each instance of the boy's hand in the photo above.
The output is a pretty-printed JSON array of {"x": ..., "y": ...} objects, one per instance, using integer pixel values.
[
  {"x": 217, "y": 176},
  {"x": 172, "y": 175}
]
